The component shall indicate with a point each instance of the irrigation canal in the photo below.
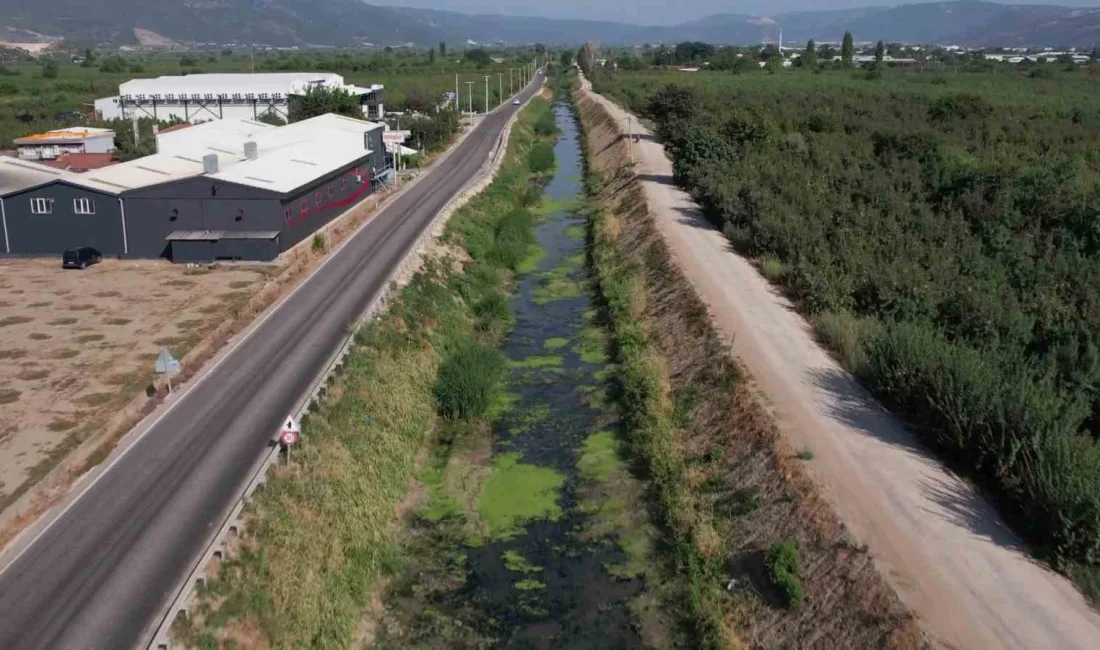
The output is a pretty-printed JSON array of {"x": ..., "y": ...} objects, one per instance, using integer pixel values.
[{"x": 556, "y": 552}]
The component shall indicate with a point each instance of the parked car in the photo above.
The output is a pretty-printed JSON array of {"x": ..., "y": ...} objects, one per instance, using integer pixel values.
[
  {"x": 515, "y": 102},
  {"x": 80, "y": 258}
]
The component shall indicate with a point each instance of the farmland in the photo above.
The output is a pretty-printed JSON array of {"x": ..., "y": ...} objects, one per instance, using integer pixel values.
[{"x": 938, "y": 230}]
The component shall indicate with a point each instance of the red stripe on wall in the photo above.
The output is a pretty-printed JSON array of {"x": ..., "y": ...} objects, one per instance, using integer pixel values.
[{"x": 363, "y": 188}]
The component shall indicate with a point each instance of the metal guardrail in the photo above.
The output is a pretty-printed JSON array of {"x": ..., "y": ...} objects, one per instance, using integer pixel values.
[{"x": 231, "y": 525}]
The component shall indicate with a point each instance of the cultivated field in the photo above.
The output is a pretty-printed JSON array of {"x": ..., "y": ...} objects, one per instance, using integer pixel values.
[{"x": 76, "y": 347}]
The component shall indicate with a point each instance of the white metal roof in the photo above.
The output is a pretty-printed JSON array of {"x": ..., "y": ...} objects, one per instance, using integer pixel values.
[
  {"x": 270, "y": 83},
  {"x": 294, "y": 155},
  {"x": 288, "y": 156},
  {"x": 17, "y": 174}
]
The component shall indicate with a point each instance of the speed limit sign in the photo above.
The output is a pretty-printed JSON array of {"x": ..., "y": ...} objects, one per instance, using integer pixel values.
[{"x": 289, "y": 435}]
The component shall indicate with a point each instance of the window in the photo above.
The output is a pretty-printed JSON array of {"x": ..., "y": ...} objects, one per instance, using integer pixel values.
[
  {"x": 83, "y": 206},
  {"x": 332, "y": 190},
  {"x": 41, "y": 206},
  {"x": 288, "y": 213},
  {"x": 343, "y": 183},
  {"x": 317, "y": 198},
  {"x": 304, "y": 206}
]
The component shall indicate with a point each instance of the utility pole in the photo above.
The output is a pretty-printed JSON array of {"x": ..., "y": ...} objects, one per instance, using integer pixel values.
[
  {"x": 500, "y": 86},
  {"x": 458, "y": 106},
  {"x": 510, "y": 90},
  {"x": 470, "y": 96},
  {"x": 486, "y": 94}
]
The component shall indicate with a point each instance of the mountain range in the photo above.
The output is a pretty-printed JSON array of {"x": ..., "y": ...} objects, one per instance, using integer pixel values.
[{"x": 352, "y": 22}]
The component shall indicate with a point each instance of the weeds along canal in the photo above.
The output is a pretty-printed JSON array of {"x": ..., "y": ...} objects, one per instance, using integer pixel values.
[{"x": 530, "y": 532}]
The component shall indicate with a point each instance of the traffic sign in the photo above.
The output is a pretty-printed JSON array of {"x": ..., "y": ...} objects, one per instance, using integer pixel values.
[
  {"x": 290, "y": 433},
  {"x": 167, "y": 365},
  {"x": 395, "y": 137}
]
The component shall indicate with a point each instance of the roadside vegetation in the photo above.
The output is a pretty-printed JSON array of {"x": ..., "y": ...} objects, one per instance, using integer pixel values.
[
  {"x": 759, "y": 558},
  {"x": 320, "y": 536},
  {"x": 940, "y": 232}
]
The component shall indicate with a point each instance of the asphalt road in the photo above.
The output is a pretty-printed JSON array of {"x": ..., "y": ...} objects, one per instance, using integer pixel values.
[{"x": 102, "y": 571}]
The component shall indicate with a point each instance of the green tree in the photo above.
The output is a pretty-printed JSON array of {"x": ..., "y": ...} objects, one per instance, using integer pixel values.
[
  {"x": 188, "y": 61},
  {"x": 89, "y": 58},
  {"x": 477, "y": 56},
  {"x": 431, "y": 55},
  {"x": 442, "y": 48},
  {"x": 847, "y": 49},
  {"x": 880, "y": 53},
  {"x": 809, "y": 57},
  {"x": 113, "y": 64},
  {"x": 320, "y": 100},
  {"x": 50, "y": 70},
  {"x": 586, "y": 57},
  {"x": 227, "y": 52},
  {"x": 566, "y": 59},
  {"x": 271, "y": 117}
]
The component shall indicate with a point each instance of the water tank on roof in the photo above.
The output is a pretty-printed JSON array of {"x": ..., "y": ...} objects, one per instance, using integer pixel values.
[
  {"x": 250, "y": 150},
  {"x": 210, "y": 163}
]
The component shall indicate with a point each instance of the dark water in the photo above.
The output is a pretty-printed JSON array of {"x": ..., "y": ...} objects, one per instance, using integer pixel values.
[
  {"x": 579, "y": 604},
  {"x": 582, "y": 606}
]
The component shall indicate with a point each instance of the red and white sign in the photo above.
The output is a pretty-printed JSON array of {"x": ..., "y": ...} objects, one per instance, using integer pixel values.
[
  {"x": 290, "y": 433},
  {"x": 395, "y": 137}
]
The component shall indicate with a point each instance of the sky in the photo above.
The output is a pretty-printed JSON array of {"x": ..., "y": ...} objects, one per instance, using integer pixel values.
[{"x": 657, "y": 12}]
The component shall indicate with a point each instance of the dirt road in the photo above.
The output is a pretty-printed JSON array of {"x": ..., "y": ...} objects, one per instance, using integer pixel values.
[{"x": 950, "y": 556}]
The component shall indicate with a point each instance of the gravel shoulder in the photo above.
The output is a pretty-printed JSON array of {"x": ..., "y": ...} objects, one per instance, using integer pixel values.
[{"x": 941, "y": 545}]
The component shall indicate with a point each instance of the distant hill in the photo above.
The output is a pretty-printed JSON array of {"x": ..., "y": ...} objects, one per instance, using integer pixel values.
[{"x": 351, "y": 22}]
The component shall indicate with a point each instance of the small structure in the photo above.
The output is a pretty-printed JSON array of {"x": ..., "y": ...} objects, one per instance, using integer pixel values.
[{"x": 77, "y": 140}]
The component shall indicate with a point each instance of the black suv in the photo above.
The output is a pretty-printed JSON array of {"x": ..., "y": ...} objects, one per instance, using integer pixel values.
[{"x": 80, "y": 258}]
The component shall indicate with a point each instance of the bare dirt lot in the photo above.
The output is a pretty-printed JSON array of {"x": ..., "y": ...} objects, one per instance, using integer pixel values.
[{"x": 78, "y": 346}]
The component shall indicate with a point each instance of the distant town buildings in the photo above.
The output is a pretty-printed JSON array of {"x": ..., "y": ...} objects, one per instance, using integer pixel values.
[{"x": 204, "y": 97}]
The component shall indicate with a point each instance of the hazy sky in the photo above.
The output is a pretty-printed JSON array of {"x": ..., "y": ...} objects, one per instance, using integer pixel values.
[{"x": 656, "y": 12}]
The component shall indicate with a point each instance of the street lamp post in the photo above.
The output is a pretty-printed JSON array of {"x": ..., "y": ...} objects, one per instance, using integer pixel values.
[
  {"x": 486, "y": 94},
  {"x": 510, "y": 90},
  {"x": 470, "y": 96},
  {"x": 500, "y": 86}
]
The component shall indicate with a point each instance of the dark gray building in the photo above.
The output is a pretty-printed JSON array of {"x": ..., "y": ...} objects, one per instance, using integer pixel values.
[{"x": 232, "y": 189}]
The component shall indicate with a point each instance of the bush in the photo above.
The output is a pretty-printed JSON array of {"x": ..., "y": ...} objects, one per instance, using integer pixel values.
[
  {"x": 546, "y": 125},
  {"x": 467, "y": 380},
  {"x": 511, "y": 240},
  {"x": 318, "y": 243},
  {"x": 782, "y": 564},
  {"x": 541, "y": 157}
]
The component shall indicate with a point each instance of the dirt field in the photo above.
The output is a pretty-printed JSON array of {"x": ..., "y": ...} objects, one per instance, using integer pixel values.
[{"x": 77, "y": 346}]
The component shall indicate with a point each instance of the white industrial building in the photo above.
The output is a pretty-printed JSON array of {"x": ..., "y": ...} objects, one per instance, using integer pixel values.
[
  {"x": 205, "y": 97},
  {"x": 53, "y": 144}
]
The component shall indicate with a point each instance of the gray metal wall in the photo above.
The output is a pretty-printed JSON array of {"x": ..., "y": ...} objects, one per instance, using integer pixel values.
[
  {"x": 301, "y": 224},
  {"x": 196, "y": 204},
  {"x": 45, "y": 234}
]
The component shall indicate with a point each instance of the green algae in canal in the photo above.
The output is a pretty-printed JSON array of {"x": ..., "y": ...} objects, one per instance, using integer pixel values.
[
  {"x": 517, "y": 493},
  {"x": 555, "y": 343}
]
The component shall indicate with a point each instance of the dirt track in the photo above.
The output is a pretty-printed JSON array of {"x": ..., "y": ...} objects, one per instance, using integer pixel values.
[{"x": 942, "y": 546}]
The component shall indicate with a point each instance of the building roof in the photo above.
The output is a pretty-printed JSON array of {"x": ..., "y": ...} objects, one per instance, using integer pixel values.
[
  {"x": 269, "y": 83},
  {"x": 288, "y": 157},
  {"x": 17, "y": 175},
  {"x": 57, "y": 136},
  {"x": 81, "y": 162}
]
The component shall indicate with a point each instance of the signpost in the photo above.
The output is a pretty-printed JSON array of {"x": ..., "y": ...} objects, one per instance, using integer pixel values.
[
  {"x": 167, "y": 365},
  {"x": 395, "y": 137},
  {"x": 289, "y": 435}
]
